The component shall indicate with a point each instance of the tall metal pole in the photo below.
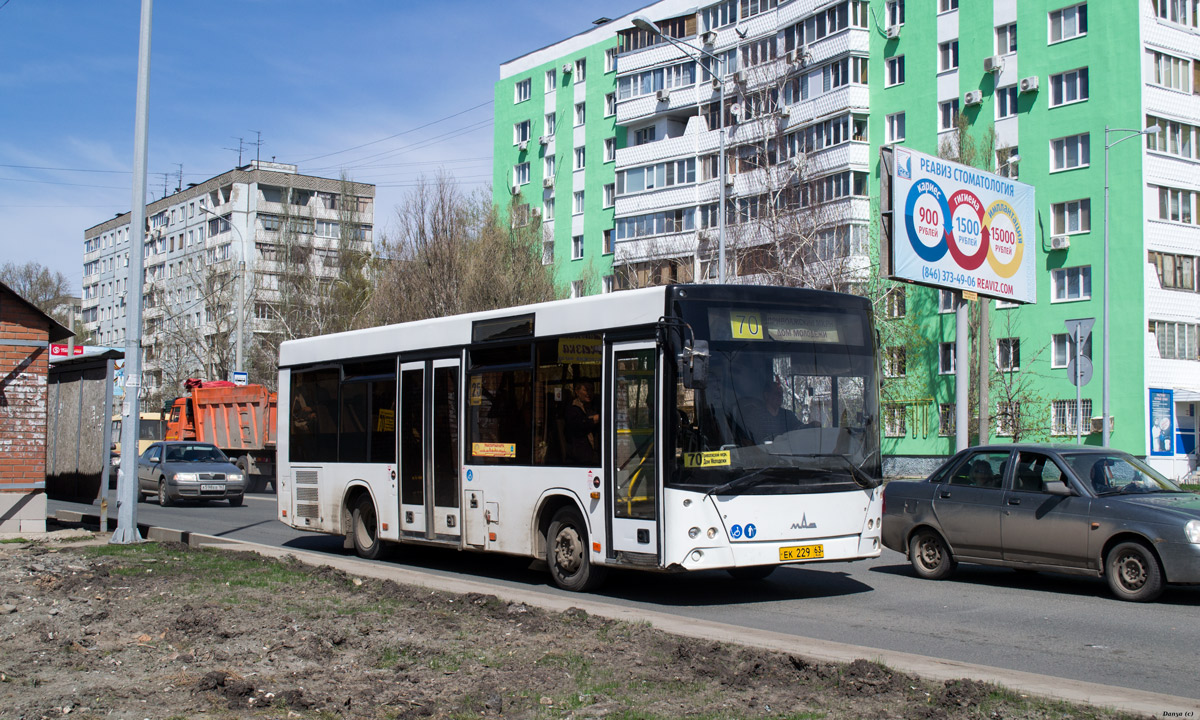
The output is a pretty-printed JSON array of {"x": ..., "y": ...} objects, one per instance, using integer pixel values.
[
  {"x": 127, "y": 530},
  {"x": 962, "y": 374},
  {"x": 985, "y": 345},
  {"x": 1104, "y": 434},
  {"x": 721, "y": 166},
  {"x": 1078, "y": 388}
]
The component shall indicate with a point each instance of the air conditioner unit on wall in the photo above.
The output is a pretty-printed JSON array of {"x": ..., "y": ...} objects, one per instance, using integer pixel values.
[
  {"x": 516, "y": 189},
  {"x": 566, "y": 68},
  {"x": 784, "y": 111},
  {"x": 1029, "y": 84},
  {"x": 543, "y": 140},
  {"x": 708, "y": 38},
  {"x": 523, "y": 145},
  {"x": 1059, "y": 242},
  {"x": 547, "y": 182},
  {"x": 973, "y": 97},
  {"x": 993, "y": 63},
  {"x": 1098, "y": 423},
  {"x": 729, "y": 179},
  {"x": 663, "y": 95},
  {"x": 893, "y": 32}
]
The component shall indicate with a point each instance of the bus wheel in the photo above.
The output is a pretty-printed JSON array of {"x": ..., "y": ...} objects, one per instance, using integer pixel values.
[
  {"x": 366, "y": 529},
  {"x": 567, "y": 553}
]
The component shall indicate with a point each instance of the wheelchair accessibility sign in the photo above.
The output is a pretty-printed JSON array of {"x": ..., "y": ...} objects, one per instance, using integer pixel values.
[{"x": 737, "y": 531}]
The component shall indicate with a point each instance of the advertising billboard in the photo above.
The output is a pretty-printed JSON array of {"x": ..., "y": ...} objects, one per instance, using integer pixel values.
[{"x": 960, "y": 228}]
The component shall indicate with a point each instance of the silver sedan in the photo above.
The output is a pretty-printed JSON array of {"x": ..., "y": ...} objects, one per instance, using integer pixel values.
[
  {"x": 1068, "y": 509},
  {"x": 181, "y": 470}
]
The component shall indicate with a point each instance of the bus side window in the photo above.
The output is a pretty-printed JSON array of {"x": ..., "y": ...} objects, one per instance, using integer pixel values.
[{"x": 562, "y": 418}]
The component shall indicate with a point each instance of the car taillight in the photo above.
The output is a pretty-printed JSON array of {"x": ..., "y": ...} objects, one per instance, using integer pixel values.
[{"x": 884, "y": 510}]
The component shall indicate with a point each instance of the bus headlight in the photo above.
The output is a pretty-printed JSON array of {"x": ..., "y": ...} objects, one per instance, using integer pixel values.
[
  {"x": 692, "y": 533},
  {"x": 1192, "y": 530},
  {"x": 186, "y": 477}
]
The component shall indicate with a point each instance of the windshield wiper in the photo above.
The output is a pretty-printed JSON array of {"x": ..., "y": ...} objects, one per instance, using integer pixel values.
[
  {"x": 744, "y": 481},
  {"x": 861, "y": 478}
]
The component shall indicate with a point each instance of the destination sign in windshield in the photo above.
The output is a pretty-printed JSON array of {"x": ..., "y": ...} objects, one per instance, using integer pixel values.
[{"x": 784, "y": 326}]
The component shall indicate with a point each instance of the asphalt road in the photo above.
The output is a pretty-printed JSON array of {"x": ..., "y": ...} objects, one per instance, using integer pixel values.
[{"x": 1055, "y": 625}]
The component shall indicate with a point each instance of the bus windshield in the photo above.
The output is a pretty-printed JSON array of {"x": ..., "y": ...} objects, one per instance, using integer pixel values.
[{"x": 789, "y": 405}]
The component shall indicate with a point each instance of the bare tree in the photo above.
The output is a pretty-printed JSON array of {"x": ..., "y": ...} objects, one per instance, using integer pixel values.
[
  {"x": 1020, "y": 410},
  {"x": 454, "y": 254},
  {"x": 45, "y": 288}
]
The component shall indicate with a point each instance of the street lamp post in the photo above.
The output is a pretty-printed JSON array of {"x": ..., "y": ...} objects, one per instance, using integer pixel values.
[
  {"x": 1104, "y": 431},
  {"x": 241, "y": 311},
  {"x": 643, "y": 23}
]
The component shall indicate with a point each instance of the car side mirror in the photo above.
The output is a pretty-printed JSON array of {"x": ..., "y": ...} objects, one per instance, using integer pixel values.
[
  {"x": 1059, "y": 488},
  {"x": 154, "y": 458},
  {"x": 693, "y": 364}
]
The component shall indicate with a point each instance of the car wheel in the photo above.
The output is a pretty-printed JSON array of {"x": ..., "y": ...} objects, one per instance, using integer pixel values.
[
  {"x": 366, "y": 529},
  {"x": 567, "y": 553},
  {"x": 163, "y": 498},
  {"x": 930, "y": 556},
  {"x": 753, "y": 572},
  {"x": 235, "y": 500},
  {"x": 1133, "y": 572}
]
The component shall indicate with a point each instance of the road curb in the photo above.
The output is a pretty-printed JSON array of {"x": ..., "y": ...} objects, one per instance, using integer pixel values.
[{"x": 1137, "y": 701}]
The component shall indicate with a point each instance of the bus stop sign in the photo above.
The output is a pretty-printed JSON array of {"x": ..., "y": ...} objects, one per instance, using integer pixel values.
[{"x": 241, "y": 378}]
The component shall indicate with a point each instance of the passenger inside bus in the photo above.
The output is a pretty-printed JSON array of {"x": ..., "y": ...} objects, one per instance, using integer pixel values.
[{"x": 582, "y": 421}]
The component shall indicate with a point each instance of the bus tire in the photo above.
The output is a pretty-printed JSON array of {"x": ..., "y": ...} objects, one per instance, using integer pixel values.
[
  {"x": 365, "y": 524},
  {"x": 567, "y": 553}
]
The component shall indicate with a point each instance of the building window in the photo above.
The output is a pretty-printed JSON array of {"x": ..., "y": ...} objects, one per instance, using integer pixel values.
[
  {"x": 895, "y": 12},
  {"x": 1006, "y": 102},
  {"x": 1175, "y": 272},
  {"x": 610, "y": 60},
  {"x": 894, "y": 417},
  {"x": 644, "y": 135},
  {"x": 1063, "y": 420},
  {"x": 1171, "y": 72},
  {"x": 548, "y": 209},
  {"x": 521, "y": 132},
  {"x": 1176, "y": 341},
  {"x": 610, "y": 105},
  {"x": 896, "y": 302},
  {"x": 580, "y": 70},
  {"x": 580, "y": 113},
  {"x": 946, "y": 353},
  {"x": 521, "y": 174},
  {"x": 610, "y": 192},
  {"x": 946, "y": 301},
  {"x": 1068, "y": 218},
  {"x": 948, "y": 115},
  {"x": 606, "y": 284},
  {"x": 551, "y": 81},
  {"x": 1068, "y": 153},
  {"x": 548, "y": 252},
  {"x": 548, "y": 167},
  {"x": 1174, "y": 138},
  {"x": 608, "y": 241},
  {"x": 523, "y": 89},
  {"x": 1182, "y": 12},
  {"x": 577, "y": 207},
  {"x": 576, "y": 288},
  {"x": 580, "y": 158},
  {"x": 1070, "y": 22},
  {"x": 1176, "y": 205},
  {"x": 946, "y": 420},
  {"x": 948, "y": 56},
  {"x": 1069, "y": 284},
  {"x": 1069, "y": 87},
  {"x": 896, "y": 361},
  {"x": 577, "y": 247},
  {"x": 1008, "y": 354},
  {"x": 895, "y": 70},
  {"x": 1006, "y": 39},
  {"x": 895, "y": 128},
  {"x": 550, "y": 123},
  {"x": 1063, "y": 349},
  {"x": 610, "y": 149},
  {"x": 947, "y": 5}
]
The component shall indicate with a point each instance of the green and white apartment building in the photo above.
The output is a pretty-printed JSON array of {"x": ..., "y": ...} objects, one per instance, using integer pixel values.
[{"x": 622, "y": 128}]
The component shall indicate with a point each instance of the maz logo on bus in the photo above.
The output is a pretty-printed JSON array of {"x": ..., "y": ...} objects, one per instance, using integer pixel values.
[{"x": 804, "y": 524}]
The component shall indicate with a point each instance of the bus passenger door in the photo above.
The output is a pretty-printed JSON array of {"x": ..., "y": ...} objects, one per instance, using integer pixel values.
[
  {"x": 412, "y": 449},
  {"x": 633, "y": 476},
  {"x": 445, "y": 456}
]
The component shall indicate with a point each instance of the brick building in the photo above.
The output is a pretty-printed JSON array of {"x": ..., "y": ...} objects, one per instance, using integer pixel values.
[{"x": 25, "y": 335}]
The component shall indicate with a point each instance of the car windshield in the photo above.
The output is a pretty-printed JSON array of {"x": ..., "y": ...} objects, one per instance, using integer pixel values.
[
  {"x": 1118, "y": 473},
  {"x": 789, "y": 405},
  {"x": 195, "y": 454}
]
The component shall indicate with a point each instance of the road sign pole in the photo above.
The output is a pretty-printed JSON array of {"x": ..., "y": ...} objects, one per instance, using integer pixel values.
[{"x": 1078, "y": 391}]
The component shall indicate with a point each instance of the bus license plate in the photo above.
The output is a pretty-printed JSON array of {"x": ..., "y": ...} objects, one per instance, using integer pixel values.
[
  {"x": 801, "y": 552},
  {"x": 212, "y": 488}
]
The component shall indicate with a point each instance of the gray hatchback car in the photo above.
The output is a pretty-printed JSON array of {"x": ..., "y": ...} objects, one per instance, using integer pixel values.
[
  {"x": 181, "y": 470},
  {"x": 1070, "y": 509}
]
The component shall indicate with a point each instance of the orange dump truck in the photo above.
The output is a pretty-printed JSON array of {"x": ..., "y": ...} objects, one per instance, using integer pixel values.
[{"x": 239, "y": 419}]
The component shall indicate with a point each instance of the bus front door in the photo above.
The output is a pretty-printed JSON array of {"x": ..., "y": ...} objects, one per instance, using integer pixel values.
[
  {"x": 429, "y": 450},
  {"x": 633, "y": 467}
]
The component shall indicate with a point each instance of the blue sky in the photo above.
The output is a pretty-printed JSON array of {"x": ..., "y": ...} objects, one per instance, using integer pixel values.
[{"x": 314, "y": 77}]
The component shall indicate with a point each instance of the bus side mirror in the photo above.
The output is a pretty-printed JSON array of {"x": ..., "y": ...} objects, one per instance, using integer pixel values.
[{"x": 693, "y": 364}]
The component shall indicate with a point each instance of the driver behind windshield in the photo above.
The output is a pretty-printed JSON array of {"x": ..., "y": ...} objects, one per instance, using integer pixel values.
[{"x": 766, "y": 418}]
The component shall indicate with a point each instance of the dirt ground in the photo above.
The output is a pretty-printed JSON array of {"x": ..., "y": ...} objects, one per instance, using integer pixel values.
[{"x": 163, "y": 631}]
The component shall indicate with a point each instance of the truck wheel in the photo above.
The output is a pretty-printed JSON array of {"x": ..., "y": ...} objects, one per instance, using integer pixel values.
[
  {"x": 366, "y": 529},
  {"x": 1133, "y": 573},
  {"x": 163, "y": 498},
  {"x": 567, "y": 553}
]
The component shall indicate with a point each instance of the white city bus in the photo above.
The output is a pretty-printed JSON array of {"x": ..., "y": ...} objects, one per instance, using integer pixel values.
[{"x": 671, "y": 428}]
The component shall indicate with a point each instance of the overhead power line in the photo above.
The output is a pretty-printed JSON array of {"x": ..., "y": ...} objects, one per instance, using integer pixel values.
[{"x": 390, "y": 137}]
